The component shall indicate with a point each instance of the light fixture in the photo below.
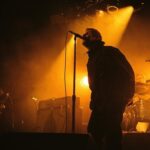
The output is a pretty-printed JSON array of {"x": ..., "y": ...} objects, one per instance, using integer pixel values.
[{"x": 111, "y": 8}]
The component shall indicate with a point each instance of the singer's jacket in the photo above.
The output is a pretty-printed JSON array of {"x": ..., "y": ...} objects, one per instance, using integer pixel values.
[{"x": 111, "y": 79}]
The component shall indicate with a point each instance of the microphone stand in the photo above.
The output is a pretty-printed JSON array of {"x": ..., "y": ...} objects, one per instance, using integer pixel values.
[{"x": 74, "y": 87}]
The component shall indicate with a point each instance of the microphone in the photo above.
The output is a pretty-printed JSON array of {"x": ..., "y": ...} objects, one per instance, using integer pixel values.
[{"x": 77, "y": 35}]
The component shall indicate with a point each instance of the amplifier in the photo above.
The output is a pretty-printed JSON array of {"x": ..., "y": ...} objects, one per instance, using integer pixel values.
[{"x": 55, "y": 115}]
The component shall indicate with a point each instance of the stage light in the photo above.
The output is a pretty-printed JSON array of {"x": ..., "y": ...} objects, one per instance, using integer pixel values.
[
  {"x": 35, "y": 99},
  {"x": 112, "y": 25},
  {"x": 100, "y": 12},
  {"x": 84, "y": 81},
  {"x": 112, "y": 8}
]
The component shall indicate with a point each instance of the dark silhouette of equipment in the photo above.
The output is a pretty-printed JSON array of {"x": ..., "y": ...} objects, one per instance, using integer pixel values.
[
  {"x": 52, "y": 118},
  {"x": 6, "y": 112},
  {"x": 139, "y": 111}
]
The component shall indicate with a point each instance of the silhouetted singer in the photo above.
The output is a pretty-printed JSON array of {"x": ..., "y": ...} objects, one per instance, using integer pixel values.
[{"x": 112, "y": 84}]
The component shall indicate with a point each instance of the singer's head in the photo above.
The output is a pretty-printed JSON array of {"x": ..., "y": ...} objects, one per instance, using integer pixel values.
[{"x": 91, "y": 38}]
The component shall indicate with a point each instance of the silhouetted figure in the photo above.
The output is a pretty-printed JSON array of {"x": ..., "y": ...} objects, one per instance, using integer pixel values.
[{"x": 112, "y": 82}]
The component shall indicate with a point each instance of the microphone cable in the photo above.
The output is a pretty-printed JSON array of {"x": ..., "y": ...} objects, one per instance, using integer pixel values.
[{"x": 65, "y": 83}]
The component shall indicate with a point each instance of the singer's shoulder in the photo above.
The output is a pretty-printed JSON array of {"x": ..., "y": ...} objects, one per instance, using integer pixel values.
[
  {"x": 111, "y": 50},
  {"x": 108, "y": 47}
]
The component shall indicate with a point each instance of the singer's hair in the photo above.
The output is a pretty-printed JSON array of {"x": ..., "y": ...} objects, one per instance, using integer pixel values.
[{"x": 95, "y": 33}]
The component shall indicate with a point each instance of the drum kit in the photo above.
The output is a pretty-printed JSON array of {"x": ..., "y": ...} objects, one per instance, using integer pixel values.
[{"x": 139, "y": 110}]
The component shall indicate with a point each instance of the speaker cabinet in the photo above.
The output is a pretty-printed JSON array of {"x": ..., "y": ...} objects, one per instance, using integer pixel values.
[{"x": 55, "y": 115}]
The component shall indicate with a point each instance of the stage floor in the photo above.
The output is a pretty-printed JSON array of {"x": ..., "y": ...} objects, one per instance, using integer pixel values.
[{"x": 44, "y": 141}]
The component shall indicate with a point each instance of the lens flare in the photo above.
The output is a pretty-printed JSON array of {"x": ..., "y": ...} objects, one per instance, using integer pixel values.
[{"x": 84, "y": 81}]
